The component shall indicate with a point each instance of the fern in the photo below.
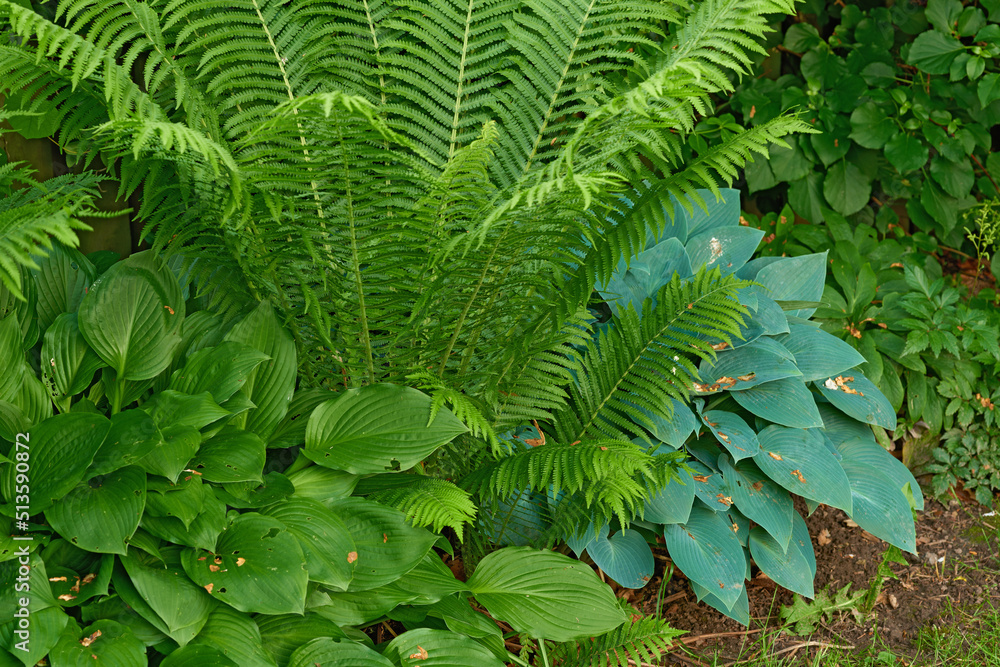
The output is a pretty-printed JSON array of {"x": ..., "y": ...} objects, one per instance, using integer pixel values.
[
  {"x": 426, "y": 501},
  {"x": 640, "y": 642}
]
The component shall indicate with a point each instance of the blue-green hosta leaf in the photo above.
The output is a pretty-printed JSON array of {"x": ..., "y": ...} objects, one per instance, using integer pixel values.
[
  {"x": 101, "y": 514},
  {"x": 673, "y": 431},
  {"x": 113, "y": 644},
  {"x": 221, "y": 370},
  {"x": 788, "y": 568},
  {"x": 787, "y": 402},
  {"x": 284, "y": 633},
  {"x": 763, "y": 360},
  {"x": 428, "y": 647},
  {"x": 710, "y": 487},
  {"x": 66, "y": 357},
  {"x": 624, "y": 556},
  {"x": 719, "y": 213},
  {"x": 673, "y": 503},
  {"x": 708, "y": 553},
  {"x": 866, "y": 451},
  {"x": 388, "y": 546},
  {"x": 727, "y": 248},
  {"x": 858, "y": 397},
  {"x": 545, "y": 594},
  {"x": 646, "y": 274},
  {"x": 795, "y": 279},
  {"x": 839, "y": 427},
  {"x": 131, "y": 316},
  {"x": 798, "y": 460},
  {"x": 257, "y": 567},
  {"x": 236, "y": 635},
  {"x": 329, "y": 653},
  {"x": 365, "y": 430},
  {"x": 760, "y": 499},
  {"x": 739, "y": 611},
  {"x": 732, "y": 433},
  {"x": 880, "y": 507},
  {"x": 518, "y": 520},
  {"x": 62, "y": 448},
  {"x": 231, "y": 457},
  {"x": 767, "y": 315},
  {"x": 324, "y": 538},
  {"x": 801, "y": 539},
  {"x": 819, "y": 354}
]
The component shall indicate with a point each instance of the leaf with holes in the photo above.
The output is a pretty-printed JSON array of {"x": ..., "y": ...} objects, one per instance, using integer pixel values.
[
  {"x": 230, "y": 457},
  {"x": 102, "y": 513},
  {"x": 324, "y": 538}
]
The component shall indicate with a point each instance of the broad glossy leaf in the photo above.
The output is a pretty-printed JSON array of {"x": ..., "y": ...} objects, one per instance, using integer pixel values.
[
  {"x": 62, "y": 447},
  {"x": 846, "y": 187},
  {"x": 788, "y": 568},
  {"x": 46, "y": 629},
  {"x": 198, "y": 655},
  {"x": 708, "y": 553},
  {"x": 545, "y": 594},
  {"x": 732, "y": 433},
  {"x": 760, "y": 361},
  {"x": 358, "y": 608},
  {"x": 184, "y": 500},
  {"x": 323, "y": 484},
  {"x": 221, "y": 370},
  {"x": 933, "y": 51},
  {"x": 61, "y": 279},
  {"x": 798, "y": 460},
  {"x": 870, "y": 127},
  {"x": 855, "y": 395},
  {"x": 258, "y": 567},
  {"x": 284, "y": 633},
  {"x": 725, "y": 248},
  {"x": 231, "y": 457},
  {"x": 202, "y": 533},
  {"x": 906, "y": 152},
  {"x": 818, "y": 354},
  {"x": 172, "y": 452},
  {"x": 324, "y": 538},
  {"x": 428, "y": 647},
  {"x": 12, "y": 421},
  {"x": 760, "y": 499},
  {"x": 839, "y": 427},
  {"x": 328, "y": 653},
  {"x": 624, "y": 556},
  {"x": 11, "y": 357},
  {"x": 956, "y": 178},
  {"x": 365, "y": 430},
  {"x": 76, "y": 576},
  {"x": 131, "y": 316},
  {"x": 171, "y": 408},
  {"x": 673, "y": 503},
  {"x": 787, "y": 402},
  {"x": 879, "y": 507},
  {"x": 795, "y": 279},
  {"x": 271, "y": 384},
  {"x": 133, "y": 435},
  {"x": 387, "y": 546},
  {"x": 645, "y": 274},
  {"x": 236, "y": 635},
  {"x": 103, "y": 512},
  {"x": 292, "y": 429},
  {"x": 113, "y": 645},
  {"x": 66, "y": 357},
  {"x": 739, "y": 611},
  {"x": 866, "y": 451}
]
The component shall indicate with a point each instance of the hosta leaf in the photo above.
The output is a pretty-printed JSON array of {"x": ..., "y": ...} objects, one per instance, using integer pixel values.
[
  {"x": 787, "y": 402},
  {"x": 365, "y": 430},
  {"x": 732, "y": 433},
  {"x": 858, "y": 397},
  {"x": 11, "y": 357},
  {"x": 879, "y": 507},
  {"x": 172, "y": 452},
  {"x": 236, "y": 635},
  {"x": 673, "y": 431},
  {"x": 795, "y": 279},
  {"x": 866, "y": 451},
  {"x": 131, "y": 316},
  {"x": 133, "y": 435},
  {"x": 105, "y": 643},
  {"x": 798, "y": 460},
  {"x": 673, "y": 503},
  {"x": 545, "y": 594},
  {"x": 710, "y": 487},
  {"x": 427, "y": 647},
  {"x": 171, "y": 408},
  {"x": 200, "y": 655},
  {"x": 738, "y": 611},
  {"x": 329, "y": 653},
  {"x": 624, "y": 556},
  {"x": 102, "y": 513},
  {"x": 323, "y": 484},
  {"x": 324, "y": 539},
  {"x": 727, "y": 248},
  {"x": 230, "y": 457},
  {"x": 708, "y": 553},
  {"x": 818, "y": 354},
  {"x": 221, "y": 370},
  {"x": 788, "y": 568},
  {"x": 762, "y": 360},
  {"x": 47, "y": 626},
  {"x": 257, "y": 567},
  {"x": 722, "y": 210},
  {"x": 284, "y": 633},
  {"x": 760, "y": 499},
  {"x": 61, "y": 279}
]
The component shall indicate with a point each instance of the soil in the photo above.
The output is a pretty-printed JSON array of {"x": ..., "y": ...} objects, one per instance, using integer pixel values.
[{"x": 958, "y": 567}]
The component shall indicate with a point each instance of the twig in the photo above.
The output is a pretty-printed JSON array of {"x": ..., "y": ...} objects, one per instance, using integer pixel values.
[
  {"x": 796, "y": 647},
  {"x": 391, "y": 631},
  {"x": 691, "y": 640},
  {"x": 985, "y": 171},
  {"x": 697, "y": 663}
]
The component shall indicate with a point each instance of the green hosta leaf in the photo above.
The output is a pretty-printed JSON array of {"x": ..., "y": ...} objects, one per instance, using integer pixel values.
[
  {"x": 292, "y": 429},
  {"x": 133, "y": 435},
  {"x": 326, "y": 652},
  {"x": 236, "y": 635},
  {"x": 323, "y": 484},
  {"x": 203, "y": 531},
  {"x": 258, "y": 567},
  {"x": 62, "y": 278},
  {"x": 673, "y": 503},
  {"x": 271, "y": 384},
  {"x": 760, "y": 361},
  {"x": 787, "y": 402},
  {"x": 284, "y": 633},
  {"x": 12, "y": 422},
  {"x": 624, "y": 556},
  {"x": 11, "y": 357},
  {"x": 220, "y": 370},
  {"x": 231, "y": 457},
  {"x": 818, "y": 354},
  {"x": 171, "y": 408},
  {"x": 870, "y": 127},
  {"x": 760, "y": 499},
  {"x": 427, "y": 647},
  {"x": 46, "y": 629},
  {"x": 846, "y": 188},
  {"x": 365, "y": 430},
  {"x": 732, "y": 433},
  {"x": 545, "y": 594},
  {"x": 132, "y": 315},
  {"x": 324, "y": 539},
  {"x": 906, "y": 152},
  {"x": 86, "y": 575},
  {"x": 865, "y": 451},
  {"x": 799, "y": 461},
  {"x": 387, "y": 546},
  {"x": 164, "y": 596},
  {"x": 102, "y": 513},
  {"x": 184, "y": 500},
  {"x": 956, "y": 178},
  {"x": 352, "y": 609},
  {"x": 200, "y": 655},
  {"x": 738, "y": 611},
  {"x": 787, "y": 568},
  {"x": 858, "y": 397},
  {"x": 879, "y": 507},
  {"x": 933, "y": 51},
  {"x": 172, "y": 452},
  {"x": 708, "y": 553},
  {"x": 106, "y": 643},
  {"x": 795, "y": 279},
  {"x": 62, "y": 448}
]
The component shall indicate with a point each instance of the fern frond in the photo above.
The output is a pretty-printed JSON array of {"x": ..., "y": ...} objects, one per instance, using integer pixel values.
[
  {"x": 469, "y": 411},
  {"x": 636, "y": 365},
  {"x": 639, "y": 642},
  {"x": 426, "y": 501}
]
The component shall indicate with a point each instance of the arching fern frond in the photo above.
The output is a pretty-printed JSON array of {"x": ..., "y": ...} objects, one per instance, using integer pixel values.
[
  {"x": 426, "y": 501},
  {"x": 639, "y": 642},
  {"x": 636, "y": 365}
]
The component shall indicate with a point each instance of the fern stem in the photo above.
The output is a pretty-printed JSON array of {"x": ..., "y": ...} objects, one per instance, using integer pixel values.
[
  {"x": 545, "y": 655},
  {"x": 461, "y": 80},
  {"x": 559, "y": 86},
  {"x": 371, "y": 28}
]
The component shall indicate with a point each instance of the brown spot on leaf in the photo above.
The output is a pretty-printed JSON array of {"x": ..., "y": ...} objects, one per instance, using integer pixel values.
[
  {"x": 725, "y": 438},
  {"x": 747, "y": 378},
  {"x": 87, "y": 641},
  {"x": 776, "y": 457},
  {"x": 725, "y": 500},
  {"x": 209, "y": 587},
  {"x": 352, "y": 556},
  {"x": 213, "y": 568},
  {"x": 57, "y": 578},
  {"x": 796, "y": 473},
  {"x": 421, "y": 654},
  {"x": 757, "y": 486},
  {"x": 240, "y": 561},
  {"x": 169, "y": 309},
  {"x": 701, "y": 478},
  {"x": 66, "y": 597},
  {"x": 725, "y": 382},
  {"x": 720, "y": 346}
]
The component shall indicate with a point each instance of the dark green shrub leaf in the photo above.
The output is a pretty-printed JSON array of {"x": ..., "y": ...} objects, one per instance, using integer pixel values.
[
  {"x": 870, "y": 127},
  {"x": 989, "y": 88},
  {"x": 846, "y": 187},
  {"x": 955, "y": 177},
  {"x": 906, "y": 152},
  {"x": 102, "y": 513},
  {"x": 933, "y": 51}
]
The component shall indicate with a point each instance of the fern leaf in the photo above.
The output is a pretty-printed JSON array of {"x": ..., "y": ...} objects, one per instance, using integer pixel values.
[
  {"x": 640, "y": 642},
  {"x": 426, "y": 501}
]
